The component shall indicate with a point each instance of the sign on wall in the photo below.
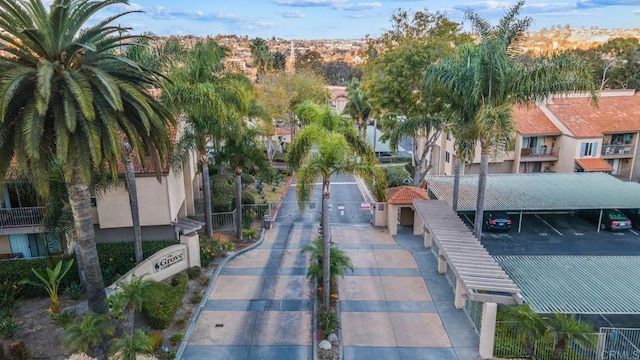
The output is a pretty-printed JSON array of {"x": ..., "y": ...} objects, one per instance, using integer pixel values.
[{"x": 169, "y": 260}]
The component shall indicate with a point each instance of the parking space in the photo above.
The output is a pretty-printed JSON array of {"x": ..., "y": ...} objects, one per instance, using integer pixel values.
[{"x": 559, "y": 233}]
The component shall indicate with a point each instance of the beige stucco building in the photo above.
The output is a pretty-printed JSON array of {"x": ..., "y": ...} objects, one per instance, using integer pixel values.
[
  {"x": 163, "y": 203},
  {"x": 568, "y": 134}
]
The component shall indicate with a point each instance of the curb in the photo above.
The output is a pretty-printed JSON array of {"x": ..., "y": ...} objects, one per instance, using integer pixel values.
[
  {"x": 205, "y": 298},
  {"x": 286, "y": 191}
]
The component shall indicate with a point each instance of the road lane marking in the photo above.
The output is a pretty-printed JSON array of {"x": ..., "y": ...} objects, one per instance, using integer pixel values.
[
  {"x": 633, "y": 231},
  {"x": 549, "y": 225}
]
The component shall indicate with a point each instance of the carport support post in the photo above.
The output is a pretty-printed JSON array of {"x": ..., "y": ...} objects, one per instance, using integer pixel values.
[
  {"x": 442, "y": 265},
  {"x": 487, "y": 329},
  {"x": 599, "y": 220},
  {"x": 459, "y": 300},
  {"x": 418, "y": 225},
  {"x": 520, "y": 222},
  {"x": 427, "y": 238}
]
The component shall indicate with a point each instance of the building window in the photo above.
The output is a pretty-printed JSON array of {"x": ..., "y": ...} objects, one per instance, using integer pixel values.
[
  {"x": 588, "y": 149},
  {"x": 448, "y": 135},
  {"x": 447, "y": 157}
]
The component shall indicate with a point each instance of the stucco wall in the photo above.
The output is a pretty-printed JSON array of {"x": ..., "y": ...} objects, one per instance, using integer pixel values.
[
  {"x": 176, "y": 191},
  {"x": 114, "y": 210},
  {"x": 164, "y": 232}
]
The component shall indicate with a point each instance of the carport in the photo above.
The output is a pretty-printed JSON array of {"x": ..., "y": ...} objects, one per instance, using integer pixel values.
[
  {"x": 478, "y": 277},
  {"x": 577, "y": 284},
  {"x": 539, "y": 192}
]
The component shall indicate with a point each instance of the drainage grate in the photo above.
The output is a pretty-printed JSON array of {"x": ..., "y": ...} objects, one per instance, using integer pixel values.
[{"x": 219, "y": 325}]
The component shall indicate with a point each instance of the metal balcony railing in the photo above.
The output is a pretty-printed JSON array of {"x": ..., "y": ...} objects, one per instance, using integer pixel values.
[
  {"x": 539, "y": 152},
  {"x": 617, "y": 150},
  {"x": 21, "y": 217}
]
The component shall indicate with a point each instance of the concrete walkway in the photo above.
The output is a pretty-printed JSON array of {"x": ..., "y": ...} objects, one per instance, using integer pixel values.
[
  {"x": 260, "y": 306},
  {"x": 395, "y": 305}
]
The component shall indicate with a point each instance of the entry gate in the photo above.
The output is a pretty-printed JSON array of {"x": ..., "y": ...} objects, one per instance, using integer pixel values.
[{"x": 339, "y": 212}]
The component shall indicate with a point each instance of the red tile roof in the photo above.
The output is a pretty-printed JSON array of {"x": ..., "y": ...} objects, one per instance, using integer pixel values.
[
  {"x": 530, "y": 120},
  {"x": 613, "y": 114},
  {"x": 404, "y": 195},
  {"x": 282, "y": 131},
  {"x": 594, "y": 164}
]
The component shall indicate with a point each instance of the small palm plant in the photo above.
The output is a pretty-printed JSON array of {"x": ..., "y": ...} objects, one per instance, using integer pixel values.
[
  {"x": 88, "y": 333},
  {"x": 527, "y": 324},
  {"x": 127, "y": 300},
  {"x": 126, "y": 347},
  {"x": 50, "y": 281},
  {"x": 339, "y": 262},
  {"x": 566, "y": 329}
]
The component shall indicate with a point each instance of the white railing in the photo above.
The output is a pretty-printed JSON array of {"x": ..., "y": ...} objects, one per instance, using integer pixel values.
[
  {"x": 510, "y": 340},
  {"x": 21, "y": 217}
]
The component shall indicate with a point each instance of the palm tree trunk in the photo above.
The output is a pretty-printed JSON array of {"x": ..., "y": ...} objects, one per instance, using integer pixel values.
[
  {"x": 326, "y": 243},
  {"x": 482, "y": 182},
  {"x": 80, "y": 201},
  {"x": 417, "y": 168},
  {"x": 133, "y": 203},
  {"x": 558, "y": 350},
  {"x": 238, "y": 181},
  {"x": 456, "y": 185},
  {"x": 206, "y": 184}
]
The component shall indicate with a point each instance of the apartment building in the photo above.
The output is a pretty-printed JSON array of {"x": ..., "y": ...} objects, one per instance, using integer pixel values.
[
  {"x": 163, "y": 207},
  {"x": 568, "y": 134}
]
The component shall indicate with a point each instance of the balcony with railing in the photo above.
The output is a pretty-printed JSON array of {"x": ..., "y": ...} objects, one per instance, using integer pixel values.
[
  {"x": 617, "y": 151},
  {"x": 21, "y": 217},
  {"x": 541, "y": 153}
]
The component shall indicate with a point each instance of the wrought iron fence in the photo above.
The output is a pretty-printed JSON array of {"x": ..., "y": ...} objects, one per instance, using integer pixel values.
[
  {"x": 512, "y": 341},
  {"x": 620, "y": 343}
]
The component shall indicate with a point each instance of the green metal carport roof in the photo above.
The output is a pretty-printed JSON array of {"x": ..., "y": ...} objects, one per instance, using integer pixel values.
[
  {"x": 540, "y": 191},
  {"x": 577, "y": 284}
]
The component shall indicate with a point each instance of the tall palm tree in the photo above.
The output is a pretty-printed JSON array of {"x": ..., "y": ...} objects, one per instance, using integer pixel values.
[
  {"x": 358, "y": 105},
  {"x": 325, "y": 146},
  {"x": 483, "y": 82},
  {"x": 67, "y": 96},
  {"x": 262, "y": 56},
  {"x": 207, "y": 96},
  {"x": 243, "y": 150}
]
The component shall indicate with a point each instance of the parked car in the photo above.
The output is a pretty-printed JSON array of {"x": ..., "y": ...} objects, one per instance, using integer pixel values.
[
  {"x": 496, "y": 220},
  {"x": 634, "y": 216},
  {"x": 612, "y": 219}
]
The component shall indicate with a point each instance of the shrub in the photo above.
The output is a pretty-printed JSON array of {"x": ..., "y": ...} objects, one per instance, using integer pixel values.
[
  {"x": 222, "y": 193},
  {"x": 228, "y": 245},
  {"x": 194, "y": 272},
  {"x": 50, "y": 281},
  {"x": 63, "y": 318},
  {"x": 196, "y": 298},
  {"x": 8, "y": 328},
  {"x": 161, "y": 301},
  {"x": 209, "y": 250},
  {"x": 18, "y": 351},
  {"x": 12, "y": 272},
  {"x": 87, "y": 333},
  {"x": 247, "y": 218},
  {"x": 204, "y": 281},
  {"x": 176, "y": 338},
  {"x": 8, "y": 293},
  {"x": 328, "y": 322},
  {"x": 250, "y": 234},
  {"x": 73, "y": 291},
  {"x": 116, "y": 259},
  {"x": 156, "y": 340}
]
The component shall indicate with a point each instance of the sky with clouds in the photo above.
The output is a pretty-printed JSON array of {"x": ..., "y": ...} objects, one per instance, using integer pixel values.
[{"x": 351, "y": 19}]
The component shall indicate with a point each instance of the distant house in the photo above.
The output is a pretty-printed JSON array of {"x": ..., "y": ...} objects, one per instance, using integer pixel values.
[{"x": 338, "y": 98}]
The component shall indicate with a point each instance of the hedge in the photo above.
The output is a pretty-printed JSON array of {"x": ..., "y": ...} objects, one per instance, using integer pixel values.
[
  {"x": 115, "y": 259},
  {"x": 160, "y": 301}
]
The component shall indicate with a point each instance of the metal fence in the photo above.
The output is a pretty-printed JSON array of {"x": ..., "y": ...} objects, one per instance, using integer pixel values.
[
  {"x": 512, "y": 342},
  {"x": 620, "y": 343},
  {"x": 21, "y": 217}
]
